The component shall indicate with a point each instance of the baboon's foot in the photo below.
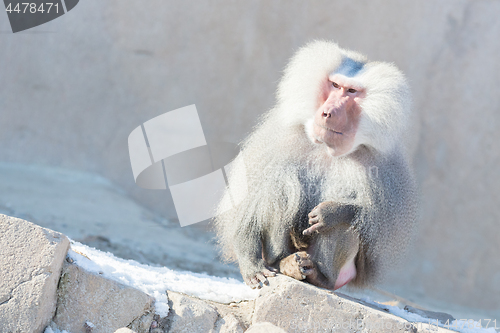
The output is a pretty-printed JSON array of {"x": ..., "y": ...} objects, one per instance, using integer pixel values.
[{"x": 298, "y": 265}]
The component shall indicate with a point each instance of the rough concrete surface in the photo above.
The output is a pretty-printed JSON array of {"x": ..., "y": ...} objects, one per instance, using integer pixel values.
[
  {"x": 84, "y": 297},
  {"x": 73, "y": 89},
  {"x": 265, "y": 327},
  {"x": 229, "y": 324},
  {"x": 31, "y": 258},
  {"x": 144, "y": 323},
  {"x": 234, "y": 317},
  {"x": 124, "y": 330},
  {"x": 300, "y": 307},
  {"x": 188, "y": 314}
]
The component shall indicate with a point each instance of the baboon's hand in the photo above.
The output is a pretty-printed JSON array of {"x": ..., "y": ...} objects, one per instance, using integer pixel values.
[
  {"x": 259, "y": 279},
  {"x": 328, "y": 214},
  {"x": 322, "y": 217}
]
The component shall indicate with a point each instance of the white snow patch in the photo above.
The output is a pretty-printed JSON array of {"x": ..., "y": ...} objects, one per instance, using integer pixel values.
[
  {"x": 89, "y": 324},
  {"x": 154, "y": 281},
  {"x": 55, "y": 330},
  {"x": 462, "y": 326}
]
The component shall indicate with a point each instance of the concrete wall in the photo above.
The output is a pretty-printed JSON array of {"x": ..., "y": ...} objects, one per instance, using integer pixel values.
[{"x": 73, "y": 89}]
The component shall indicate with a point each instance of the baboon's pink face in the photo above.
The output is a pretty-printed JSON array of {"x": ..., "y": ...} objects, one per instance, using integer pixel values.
[{"x": 337, "y": 117}]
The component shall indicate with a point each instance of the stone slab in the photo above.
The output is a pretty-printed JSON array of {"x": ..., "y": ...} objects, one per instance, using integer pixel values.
[
  {"x": 300, "y": 307},
  {"x": 31, "y": 258},
  {"x": 85, "y": 297}
]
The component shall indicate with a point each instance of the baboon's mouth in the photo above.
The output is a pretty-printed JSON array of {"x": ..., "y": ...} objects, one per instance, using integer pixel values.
[
  {"x": 329, "y": 129},
  {"x": 332, "y": 130}
]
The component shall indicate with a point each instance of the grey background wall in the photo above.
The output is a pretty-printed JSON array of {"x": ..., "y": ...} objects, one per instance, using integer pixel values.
[{"x": 73, "y": 89}]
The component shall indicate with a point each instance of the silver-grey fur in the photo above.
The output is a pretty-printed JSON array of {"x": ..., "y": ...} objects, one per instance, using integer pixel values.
[{"x": 280, "y": 175}]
